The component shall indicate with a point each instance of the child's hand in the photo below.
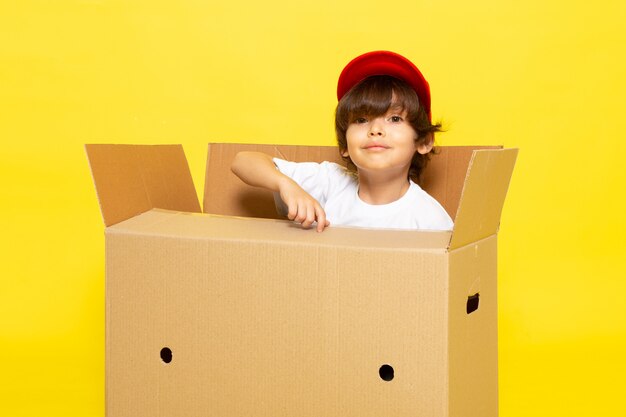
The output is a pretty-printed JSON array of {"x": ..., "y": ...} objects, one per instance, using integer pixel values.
[
  {"x": 302, "y": 208},
  {"x": 258, "y": 169}
]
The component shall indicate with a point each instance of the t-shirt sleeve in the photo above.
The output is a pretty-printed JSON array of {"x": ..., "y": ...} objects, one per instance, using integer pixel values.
[
  {"x": 430, "y": 215},
  {"x": 438, "y": 218},
  {"x": 441, "y": 221},
  {"x": 311, "y": 176}
]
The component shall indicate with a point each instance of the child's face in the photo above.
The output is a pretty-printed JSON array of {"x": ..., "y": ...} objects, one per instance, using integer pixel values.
[{"x": 383, "y": 145}]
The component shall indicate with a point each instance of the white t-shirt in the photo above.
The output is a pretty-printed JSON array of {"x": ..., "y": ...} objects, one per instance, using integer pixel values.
[{"x": 337, "y": 191}]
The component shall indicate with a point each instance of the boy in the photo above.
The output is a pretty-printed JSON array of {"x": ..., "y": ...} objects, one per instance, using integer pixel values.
[{"x": 385, "y": 135}]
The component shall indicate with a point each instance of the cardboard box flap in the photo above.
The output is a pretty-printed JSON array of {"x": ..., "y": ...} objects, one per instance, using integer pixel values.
[
  {"x": 445, "y": 173},
  {"x": 132, "y": 179},
  {"x": 225, "y": 194},
  {"x": 483, "y": 195}
]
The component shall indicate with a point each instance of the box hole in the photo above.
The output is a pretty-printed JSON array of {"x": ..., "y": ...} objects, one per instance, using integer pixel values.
[
  {"x": 386, "y": 372},
  {"x": 166, "y": 355},
  {"x": 472, "y": 303}
]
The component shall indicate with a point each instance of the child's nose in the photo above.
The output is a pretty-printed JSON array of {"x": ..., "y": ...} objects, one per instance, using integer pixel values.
[{"x": 376, "y": 129}]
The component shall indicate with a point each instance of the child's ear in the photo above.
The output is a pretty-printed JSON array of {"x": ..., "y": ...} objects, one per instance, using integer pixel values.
[
  {"x": 344, "y": 153},
  {"x": 426, "y": 144}
]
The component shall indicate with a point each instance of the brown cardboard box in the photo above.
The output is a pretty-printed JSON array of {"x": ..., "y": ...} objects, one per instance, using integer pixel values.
[{"x": 215, "y": 315}]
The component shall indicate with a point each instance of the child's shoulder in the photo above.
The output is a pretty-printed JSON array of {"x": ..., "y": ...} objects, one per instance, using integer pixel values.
[
  {"x": 329, "y": 172},
  {"x": 340, "y": 174},
  {"x": 424, "y": 199},
  {"x": 325, "y": 166},
  {"x": 431, "y": 212},
  {"x": 335, "y": 167}
]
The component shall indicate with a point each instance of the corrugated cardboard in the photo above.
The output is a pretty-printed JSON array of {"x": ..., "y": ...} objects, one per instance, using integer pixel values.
[
  {"x": 131, "y": 179},
  {"x": 214, "y": 315}
]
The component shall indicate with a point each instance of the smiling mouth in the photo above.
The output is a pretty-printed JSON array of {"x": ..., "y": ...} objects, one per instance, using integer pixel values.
[{"x": 376, "y": 147}]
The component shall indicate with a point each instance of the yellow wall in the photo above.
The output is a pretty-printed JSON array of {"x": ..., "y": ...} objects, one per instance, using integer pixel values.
[{"x": 548, "y": 77}]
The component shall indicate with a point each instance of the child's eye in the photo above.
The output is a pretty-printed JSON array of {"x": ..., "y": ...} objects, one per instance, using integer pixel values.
[
  {"x": 395, "y": 119},
  {"x": 360, "y": 120}
]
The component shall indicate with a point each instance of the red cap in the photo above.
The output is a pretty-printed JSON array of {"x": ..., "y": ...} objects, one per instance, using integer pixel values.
[{"x": 384, "y": 63}]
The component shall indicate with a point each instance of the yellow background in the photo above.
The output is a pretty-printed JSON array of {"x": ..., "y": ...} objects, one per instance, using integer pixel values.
[{"x": 548, "y": 77}]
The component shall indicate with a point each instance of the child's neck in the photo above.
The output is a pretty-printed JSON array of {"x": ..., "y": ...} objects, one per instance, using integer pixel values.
[{"x": 374, "y": 189}]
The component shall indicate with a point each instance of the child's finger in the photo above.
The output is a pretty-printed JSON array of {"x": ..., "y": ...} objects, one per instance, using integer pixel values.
[
  {"x": 310, "y": 217},
  {"x": 303, "y": 214},
  {"x": 321, "y": 218},
  {"x": 292, "y": 210},
  {"x": 300, "y": 213}
]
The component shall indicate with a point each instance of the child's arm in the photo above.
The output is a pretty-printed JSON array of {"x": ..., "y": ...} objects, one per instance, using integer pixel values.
[{"x": 258, "y": 169}]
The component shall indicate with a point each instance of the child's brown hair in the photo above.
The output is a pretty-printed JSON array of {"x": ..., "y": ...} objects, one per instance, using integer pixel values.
[{"x": 373, "y": 97}]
